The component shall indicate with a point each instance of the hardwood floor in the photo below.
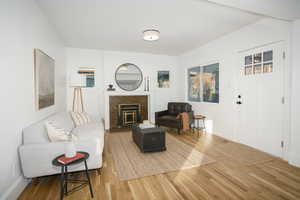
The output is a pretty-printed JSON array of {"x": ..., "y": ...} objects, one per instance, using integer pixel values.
[{"x": 228, "y": 178}]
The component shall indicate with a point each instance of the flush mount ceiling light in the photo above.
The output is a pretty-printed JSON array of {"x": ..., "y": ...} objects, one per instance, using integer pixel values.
[{"x": 151, "y": 35}]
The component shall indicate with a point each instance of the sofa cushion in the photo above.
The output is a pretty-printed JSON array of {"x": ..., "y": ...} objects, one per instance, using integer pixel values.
[
  {"x": 175, "y": 108},
  {"x": 80, "y": 118},
  {"x": 168, "y": 118},
  {"x": 62, "y": 120},
  {"x": 88, "y": 131},
  {"x": 56, "y": 134},
  {"x": 37, "y": 133}
]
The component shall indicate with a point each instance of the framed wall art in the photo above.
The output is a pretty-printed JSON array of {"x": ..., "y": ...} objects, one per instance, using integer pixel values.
[
  {"x": 210, "y": 83},
  {"x": 194, "y": 84},
  {"x": 87, "y": 76},
  {"x": 163, "y": 79},
  {"x": 203, "y": 83},
  {"x": 44, "y": 68}
]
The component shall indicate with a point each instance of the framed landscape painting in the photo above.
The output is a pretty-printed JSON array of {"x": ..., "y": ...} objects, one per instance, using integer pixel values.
[
  {"x": 44, "y": 68},
  {"x": 194, "y": 84},
  {"x": 163, "y": 79}
]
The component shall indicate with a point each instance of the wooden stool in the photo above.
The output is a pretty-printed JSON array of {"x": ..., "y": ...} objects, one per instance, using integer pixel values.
[{"x": 197, "y": 119}]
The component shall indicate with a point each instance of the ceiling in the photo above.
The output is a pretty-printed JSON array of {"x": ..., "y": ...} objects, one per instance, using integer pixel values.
[
  {"x": 287, "y": 10},
  {"x": 118, "y": 24}
]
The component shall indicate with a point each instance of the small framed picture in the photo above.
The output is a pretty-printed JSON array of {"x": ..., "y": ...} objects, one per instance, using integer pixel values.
[
  {"x": 163, "y": 79},
  {"x": 87, "y": 76}
]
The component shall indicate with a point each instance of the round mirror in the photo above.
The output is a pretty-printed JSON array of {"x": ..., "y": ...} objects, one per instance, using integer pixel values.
[{"x": 128, "y": 77}]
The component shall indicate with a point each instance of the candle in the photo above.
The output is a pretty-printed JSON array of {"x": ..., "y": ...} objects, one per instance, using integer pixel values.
[{"x": 148, "y": 83}]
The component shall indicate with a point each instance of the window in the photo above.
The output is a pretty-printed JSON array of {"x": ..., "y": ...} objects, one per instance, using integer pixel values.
[{"x": 258, "y": 63}]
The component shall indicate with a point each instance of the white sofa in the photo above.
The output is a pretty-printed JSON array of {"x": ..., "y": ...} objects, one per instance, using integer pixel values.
[{"x": 37, "y": 152}]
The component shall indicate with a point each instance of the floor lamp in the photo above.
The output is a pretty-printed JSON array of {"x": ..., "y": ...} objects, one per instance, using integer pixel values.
[{"x": 77, "y": 100}]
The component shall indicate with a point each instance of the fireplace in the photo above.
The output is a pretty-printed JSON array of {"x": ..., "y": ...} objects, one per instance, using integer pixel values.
[
  {"x": 128, "y": 114},
  {"x": 127, "y": 110}
]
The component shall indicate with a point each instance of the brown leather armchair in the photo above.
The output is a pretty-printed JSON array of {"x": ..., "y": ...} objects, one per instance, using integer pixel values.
[{"x": 168, "y": 117}]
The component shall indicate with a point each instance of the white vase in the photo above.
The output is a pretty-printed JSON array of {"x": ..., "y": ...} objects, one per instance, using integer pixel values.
[{"x": 70, "y": 150}]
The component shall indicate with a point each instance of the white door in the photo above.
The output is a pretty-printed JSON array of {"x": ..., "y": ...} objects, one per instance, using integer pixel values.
[{"x": 260, "y": 98}]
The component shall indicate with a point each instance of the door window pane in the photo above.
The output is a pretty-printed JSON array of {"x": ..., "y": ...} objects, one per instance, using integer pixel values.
[
  {"x": 257, "y": 69},
  {"x": 257, "y": 58},
  {"x": 248, "y": 70},
  {"x": 268, "y": 67},
  {"x": 248, "y": 60},
  {"x": 268, "y": 56}
]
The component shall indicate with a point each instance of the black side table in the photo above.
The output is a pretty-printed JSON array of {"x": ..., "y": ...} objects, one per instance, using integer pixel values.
[{"x": 64, "y": 180}]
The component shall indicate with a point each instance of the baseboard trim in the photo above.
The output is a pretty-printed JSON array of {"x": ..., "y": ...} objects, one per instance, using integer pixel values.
[
  {"x": 294, "y": 159},
  {"x": 14, "y": 191}
]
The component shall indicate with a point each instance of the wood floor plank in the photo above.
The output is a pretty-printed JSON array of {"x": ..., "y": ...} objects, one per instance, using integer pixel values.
[
  {"x": 227, "y": 178},
  {"x": 169, "y": 189}
]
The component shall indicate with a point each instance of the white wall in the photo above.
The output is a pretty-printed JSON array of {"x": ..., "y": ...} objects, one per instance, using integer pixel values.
[
  {"x": 93, "y": 97},
  {"x": 149, "y": 64},
  {"x": 224, "y": 50},
  {"x": 106, "y": 63},
  {"x": 295, "y": 101},
  {"x": 23, "y": 28}
]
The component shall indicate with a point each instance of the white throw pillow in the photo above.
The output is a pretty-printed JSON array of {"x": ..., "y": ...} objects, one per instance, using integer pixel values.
[
  {"x": 56, "y": 134},
  {"x": 80, "y": 118}
]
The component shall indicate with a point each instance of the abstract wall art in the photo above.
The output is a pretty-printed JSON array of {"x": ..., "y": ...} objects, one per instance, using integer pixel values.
[
  {"x": 87, "y": 76},
  {"x": 44, "y": 68},
  {"x": 163, "y": 79},
  {"x": 194, "y": 84},
  {"x": 210, "y": 83},
  {"x": 203, "y": 83}
]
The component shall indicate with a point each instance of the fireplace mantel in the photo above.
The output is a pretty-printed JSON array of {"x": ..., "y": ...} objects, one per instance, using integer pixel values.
[
  {"x": 109, "y": 94},
  {"x": 115, "y": 93}
]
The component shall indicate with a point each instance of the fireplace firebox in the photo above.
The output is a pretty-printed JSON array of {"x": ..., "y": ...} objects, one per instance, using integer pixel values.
[
  {"x": 128, "y": 114},
  {"x": 135, "y": 105}
]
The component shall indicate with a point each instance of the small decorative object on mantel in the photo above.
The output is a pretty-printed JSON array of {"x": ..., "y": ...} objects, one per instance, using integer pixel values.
[
  {"x": 110, "y": 87},
  {"x": 146, "y": 83}
]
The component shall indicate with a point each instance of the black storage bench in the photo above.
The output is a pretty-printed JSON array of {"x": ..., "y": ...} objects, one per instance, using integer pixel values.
[{"x": 149, "y": 139}]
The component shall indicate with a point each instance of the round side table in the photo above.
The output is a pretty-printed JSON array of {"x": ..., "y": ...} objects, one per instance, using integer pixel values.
[
  {"x": 64, "y": 180},
  {"x": 197, "y": 119}
]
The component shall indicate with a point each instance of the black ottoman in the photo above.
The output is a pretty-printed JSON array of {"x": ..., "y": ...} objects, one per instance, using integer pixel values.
[{"x": 149, "y": 139}]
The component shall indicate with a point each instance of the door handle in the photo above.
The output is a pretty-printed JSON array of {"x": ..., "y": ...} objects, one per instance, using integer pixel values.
[{"x": 239, "y": 102}]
